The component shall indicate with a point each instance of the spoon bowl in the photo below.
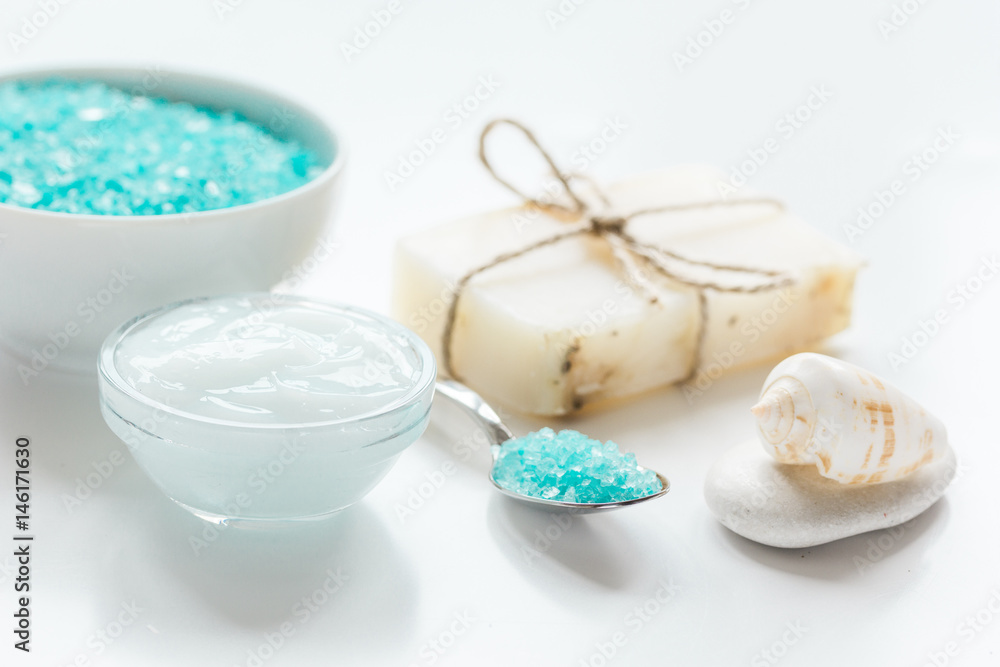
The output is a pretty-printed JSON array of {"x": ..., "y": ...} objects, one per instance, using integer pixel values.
[{"x": 497, "y": 432}]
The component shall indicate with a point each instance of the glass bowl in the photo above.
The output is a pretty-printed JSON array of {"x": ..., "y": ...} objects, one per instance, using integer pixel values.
[{"x": 313, "y": 452}]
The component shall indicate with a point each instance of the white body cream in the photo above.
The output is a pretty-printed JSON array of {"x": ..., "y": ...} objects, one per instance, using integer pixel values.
[{"x": 265, "y": 407}]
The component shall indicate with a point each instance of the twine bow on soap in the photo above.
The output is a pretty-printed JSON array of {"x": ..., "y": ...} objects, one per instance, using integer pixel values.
[{"x": 626, "y": 249}]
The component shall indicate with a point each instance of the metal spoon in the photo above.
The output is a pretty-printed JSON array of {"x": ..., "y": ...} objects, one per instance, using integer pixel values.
[{"x": 498, "y": 433}]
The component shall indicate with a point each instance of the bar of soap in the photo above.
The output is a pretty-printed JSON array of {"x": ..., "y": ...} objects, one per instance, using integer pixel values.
[{"x": 560, "y": 327}]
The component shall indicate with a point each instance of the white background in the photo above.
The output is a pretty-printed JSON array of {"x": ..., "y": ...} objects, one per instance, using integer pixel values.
[{"x": 463, "y": 551}]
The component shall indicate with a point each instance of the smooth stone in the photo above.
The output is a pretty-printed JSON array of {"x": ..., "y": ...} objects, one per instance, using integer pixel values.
[{"x": 792, "y": 506}]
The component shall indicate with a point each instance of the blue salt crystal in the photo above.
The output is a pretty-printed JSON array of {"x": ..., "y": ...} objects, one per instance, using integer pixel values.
[
  {"x": 86, "y": 147},
  {"x": 571, "y": 467}
]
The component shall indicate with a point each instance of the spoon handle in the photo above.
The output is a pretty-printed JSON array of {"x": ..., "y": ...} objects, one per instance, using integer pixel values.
[{"x": 474, "y": 405}]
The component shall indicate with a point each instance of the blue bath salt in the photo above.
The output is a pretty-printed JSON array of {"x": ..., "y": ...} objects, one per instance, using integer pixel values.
[
  {"x": 570, "y": 467},
  {"x": 86, "y": 147}
]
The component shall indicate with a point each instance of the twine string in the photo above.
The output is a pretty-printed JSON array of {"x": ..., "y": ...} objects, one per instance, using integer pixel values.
[
  {"x": 625, "y": 248},
  {"x": 579, "y": 206}
]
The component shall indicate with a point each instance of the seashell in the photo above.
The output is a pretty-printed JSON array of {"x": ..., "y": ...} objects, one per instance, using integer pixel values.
[{"x": 855, "y": 427}]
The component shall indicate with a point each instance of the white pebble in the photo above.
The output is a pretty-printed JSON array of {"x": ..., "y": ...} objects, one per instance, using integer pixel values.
[{"x": 792, "y": 506}]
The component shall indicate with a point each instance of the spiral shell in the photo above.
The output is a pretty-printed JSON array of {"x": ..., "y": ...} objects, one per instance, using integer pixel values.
[{"x": 855, "y": 427}]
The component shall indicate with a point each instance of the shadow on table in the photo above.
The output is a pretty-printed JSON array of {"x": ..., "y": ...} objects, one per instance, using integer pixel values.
[
  {"x": 344, "y": 572},
  {"x": 852, "y": 556},
  {"x": 58, "y": 411},
  {"x": 553, "y": 549}
]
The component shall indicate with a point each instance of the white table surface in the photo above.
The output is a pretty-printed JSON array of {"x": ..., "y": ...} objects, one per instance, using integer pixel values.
[{"x": 455, "y": 574}]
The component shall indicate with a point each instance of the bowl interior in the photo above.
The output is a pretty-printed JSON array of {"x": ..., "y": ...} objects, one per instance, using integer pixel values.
[
  {"x": 56, "y": 263},
  {"x": 283, "y": 117}
]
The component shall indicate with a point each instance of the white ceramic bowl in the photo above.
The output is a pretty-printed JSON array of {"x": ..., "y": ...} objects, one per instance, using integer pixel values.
[{"x": 67, "y": 280}]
